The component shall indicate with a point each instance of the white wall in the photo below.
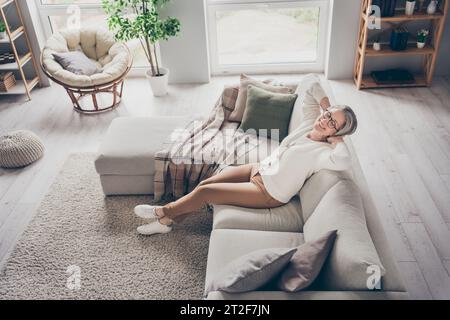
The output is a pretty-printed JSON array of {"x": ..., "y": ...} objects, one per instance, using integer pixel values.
[
  {"x": 187, "y": 55},
  {"x": 443, "y": 62},
  {"x": 343, "y": 34}
]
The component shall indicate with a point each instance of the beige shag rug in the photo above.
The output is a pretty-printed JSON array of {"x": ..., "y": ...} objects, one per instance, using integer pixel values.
[{"x": 81, "y": 245}]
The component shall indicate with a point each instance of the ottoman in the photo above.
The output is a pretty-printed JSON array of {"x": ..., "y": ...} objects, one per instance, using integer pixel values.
[{"x": 125, "y": 159}]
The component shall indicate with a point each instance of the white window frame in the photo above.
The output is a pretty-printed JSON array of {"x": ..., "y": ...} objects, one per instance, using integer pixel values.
[
  {"x": 317, "y": 66},
  {"x": 47, "y": 10}
]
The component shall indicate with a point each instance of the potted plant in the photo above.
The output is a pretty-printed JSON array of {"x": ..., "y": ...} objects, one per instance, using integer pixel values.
[
  {"x": 422, "y": 38},
  {"x": 2, "y": 30},
  {"x": 139, "y": 19},
  {"x": 410, "y": 5}
]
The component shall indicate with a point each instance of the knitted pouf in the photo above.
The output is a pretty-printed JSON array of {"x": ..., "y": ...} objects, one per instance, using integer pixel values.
[{"x": 20, "y": 148}]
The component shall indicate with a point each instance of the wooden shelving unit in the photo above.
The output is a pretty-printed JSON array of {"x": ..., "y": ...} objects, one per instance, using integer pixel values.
[
  {"x": 26, "y": 84},
  {"x": 429, "y": 53}
]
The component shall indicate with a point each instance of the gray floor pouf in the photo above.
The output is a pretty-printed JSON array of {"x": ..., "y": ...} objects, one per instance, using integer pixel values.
[{"x": 20, "y": 148}]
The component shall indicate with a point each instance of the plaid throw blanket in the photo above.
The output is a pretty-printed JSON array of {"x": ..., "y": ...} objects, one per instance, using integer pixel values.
[{"x": 204, "y": 148}]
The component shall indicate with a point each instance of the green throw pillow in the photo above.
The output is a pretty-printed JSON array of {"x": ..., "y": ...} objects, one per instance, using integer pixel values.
[{"x": 268, "y": 110}]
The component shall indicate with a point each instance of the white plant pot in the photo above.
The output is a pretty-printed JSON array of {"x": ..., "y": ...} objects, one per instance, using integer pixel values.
[
  {"x": 420, "y": 45},
  {"x": 376, "y": 46},
  {"x": 409, "y": 9},
  {"x": 3, "y": 35},
  {"x": 159, "y": 84}
]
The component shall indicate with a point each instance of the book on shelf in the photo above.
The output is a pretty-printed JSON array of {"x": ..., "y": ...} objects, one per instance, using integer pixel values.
[{"x": 393, "y": 76}]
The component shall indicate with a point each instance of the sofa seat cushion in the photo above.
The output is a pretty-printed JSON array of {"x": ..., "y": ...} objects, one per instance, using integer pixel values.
[
  {"x": 287, "y": 218},
  {"x": 227, "y": 245},
  {"x": 130, "y": 143},
  {"x": 353, "y": 258}
]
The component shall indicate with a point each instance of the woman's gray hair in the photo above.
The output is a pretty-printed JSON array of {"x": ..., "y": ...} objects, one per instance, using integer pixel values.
[{"x": 351, "y": 123}]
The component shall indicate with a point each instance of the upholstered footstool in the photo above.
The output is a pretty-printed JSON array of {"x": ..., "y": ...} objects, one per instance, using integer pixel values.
[{"x": 125, "y": 159}]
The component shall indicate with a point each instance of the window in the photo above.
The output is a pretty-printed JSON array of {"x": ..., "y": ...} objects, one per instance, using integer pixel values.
[
  {"x": 267, "y": 35},
  {"x": 66, "y": 14}
]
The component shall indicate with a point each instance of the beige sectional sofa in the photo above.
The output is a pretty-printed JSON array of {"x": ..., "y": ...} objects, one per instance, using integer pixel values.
[
  {"x": 328, "y": 200},
  {"x": 238, "y": 231}
]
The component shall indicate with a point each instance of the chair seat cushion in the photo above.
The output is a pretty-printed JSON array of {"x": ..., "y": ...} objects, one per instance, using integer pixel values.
[
  {"x": 98, "y": 45},
  {"x": 129, "y": 146}
]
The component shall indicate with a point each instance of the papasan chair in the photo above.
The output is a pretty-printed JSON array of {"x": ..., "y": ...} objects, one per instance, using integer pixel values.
[{"x": 113, "y": 60}]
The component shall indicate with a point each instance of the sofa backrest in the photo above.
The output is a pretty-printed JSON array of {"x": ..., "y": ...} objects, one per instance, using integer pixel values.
[{"x": 344, "y": 196}]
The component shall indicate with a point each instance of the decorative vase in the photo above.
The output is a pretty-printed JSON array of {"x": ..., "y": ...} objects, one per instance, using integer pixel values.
[
  {"x": 420, "y": 45},
  {"x": 376, "y": 46},
  {"x": 160, "y": 83},
  {"x": 432, "y": 7},
  {"x": 3, "y": 35},
  {"x": 409, "y": 9}
]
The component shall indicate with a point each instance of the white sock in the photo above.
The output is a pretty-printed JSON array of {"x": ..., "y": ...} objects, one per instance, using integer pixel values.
[
  {"x": 154, "y": 228},
  {"x": 146, "y": 211}
]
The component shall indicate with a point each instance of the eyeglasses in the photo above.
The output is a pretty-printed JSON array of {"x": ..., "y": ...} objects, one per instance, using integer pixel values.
[{"x": 332, "y": 124}]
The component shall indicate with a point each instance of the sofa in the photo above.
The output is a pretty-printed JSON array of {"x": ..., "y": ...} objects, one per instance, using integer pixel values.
[{"x": 327, "y": 200}]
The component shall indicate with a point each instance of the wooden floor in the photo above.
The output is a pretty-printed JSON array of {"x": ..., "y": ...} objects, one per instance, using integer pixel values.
[{"x": 403, "y": 144}]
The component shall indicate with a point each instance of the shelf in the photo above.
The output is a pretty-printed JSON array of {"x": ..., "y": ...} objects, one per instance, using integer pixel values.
[
  {"x": 418, "y": 16},
  {"x": 19, "y": 88},
  {"x": 4, "y": 3},
  {"x": 14, "y": 35},
  {"x": 369, "y": 83},
  {"x": 410, "y": 50},
  {"x": 13, "y": 65}
]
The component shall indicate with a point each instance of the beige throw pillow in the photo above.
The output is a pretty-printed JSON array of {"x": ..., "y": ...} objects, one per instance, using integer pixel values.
[{"x": 241, "y": 101}]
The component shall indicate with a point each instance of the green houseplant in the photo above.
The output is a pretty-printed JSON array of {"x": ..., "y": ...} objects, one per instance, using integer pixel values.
[
  {"x": 139, "y": 19},
  {"x": 2, "y": 30},
  {"x": 422, "y": 38}
]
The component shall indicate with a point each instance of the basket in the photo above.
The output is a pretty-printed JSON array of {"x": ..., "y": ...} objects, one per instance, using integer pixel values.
[{"x": 7, "y": 81}]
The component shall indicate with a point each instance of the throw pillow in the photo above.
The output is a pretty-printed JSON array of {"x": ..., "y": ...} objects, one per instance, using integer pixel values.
[
  {"x": 251, "y": 271},
  {"x": 76, "y": 62},
  {"x": 306, "y": 263},
  {"x": 268, "y": 110},
  {"x": 241, "y": 100}
]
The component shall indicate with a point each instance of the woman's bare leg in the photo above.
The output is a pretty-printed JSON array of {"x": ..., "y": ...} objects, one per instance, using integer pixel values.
[
  {"x": 237, "y": 174},
  {"x": 233, "y": 174},
  {"x": 244, "y": 194}
]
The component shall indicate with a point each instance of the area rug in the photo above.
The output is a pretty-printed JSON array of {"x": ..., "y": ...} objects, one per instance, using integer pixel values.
[{"x": 81, "y": 245}]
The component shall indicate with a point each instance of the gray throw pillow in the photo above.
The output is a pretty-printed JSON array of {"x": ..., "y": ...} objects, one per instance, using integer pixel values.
[
  {"x": 306, "y": 263},
  {"x": 76, "y": 62},
  {"x": 251, "y": 271},
  {"x": 268, "y": 110}
]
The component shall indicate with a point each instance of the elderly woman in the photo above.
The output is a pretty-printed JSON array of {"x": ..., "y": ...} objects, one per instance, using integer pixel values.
[{"x": 316, "y": 144}]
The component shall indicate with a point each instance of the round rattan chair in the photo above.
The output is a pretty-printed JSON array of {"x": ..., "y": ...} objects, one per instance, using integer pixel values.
[{"x": 114, "y": 59}]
